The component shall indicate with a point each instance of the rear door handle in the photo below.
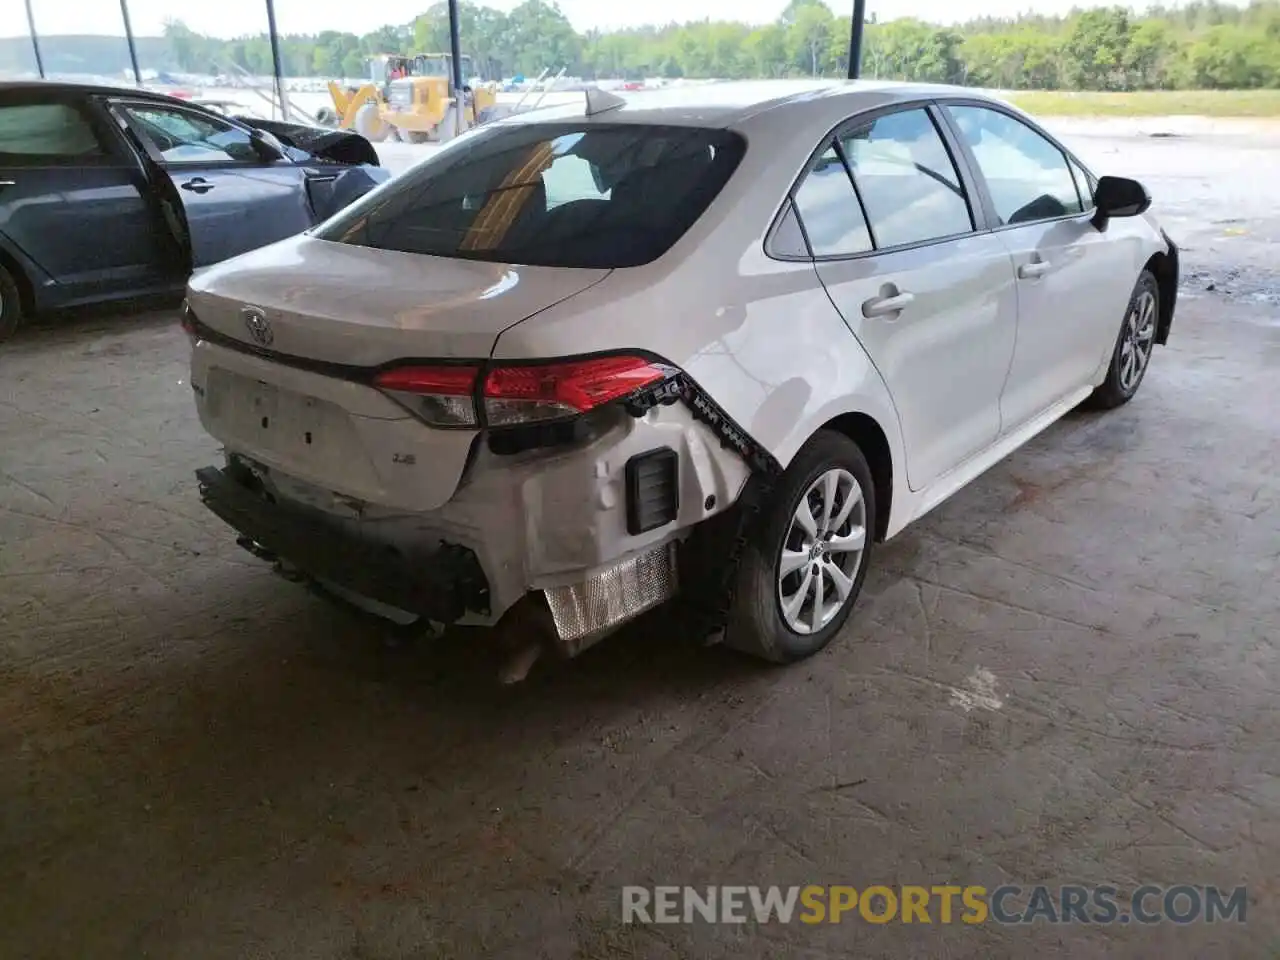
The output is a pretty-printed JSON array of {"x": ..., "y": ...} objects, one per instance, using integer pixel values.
[
  {"x": 8, "y": 183},
  {"x": 198, "y": 185},
  {"x": 889, "y": 303},
  {"x": 1036, "y": 268}
]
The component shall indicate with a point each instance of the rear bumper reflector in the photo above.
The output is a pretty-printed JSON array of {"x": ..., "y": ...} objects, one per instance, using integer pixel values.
[
  {"x": 440, "y": 583},
  {"x": 585, "y": 612}
]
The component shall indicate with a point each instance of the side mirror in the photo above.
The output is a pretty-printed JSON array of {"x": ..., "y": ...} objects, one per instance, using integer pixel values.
[
  {"x": 266, "y": 146},
  {"x": 1119, "y": 197}
]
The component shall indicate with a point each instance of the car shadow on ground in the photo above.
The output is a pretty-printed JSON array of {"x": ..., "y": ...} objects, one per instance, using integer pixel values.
[
  {"x": 285, "y": 692},
  {"x": 59, "y": 328}
]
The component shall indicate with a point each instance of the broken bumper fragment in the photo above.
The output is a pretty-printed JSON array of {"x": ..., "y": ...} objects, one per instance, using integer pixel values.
[{"x": 440, "y": 583}]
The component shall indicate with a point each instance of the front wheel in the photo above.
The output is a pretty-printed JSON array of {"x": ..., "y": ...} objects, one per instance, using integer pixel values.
[
  {"x": 1134, "y": 346},
  {"x": 806, "y": 559}
]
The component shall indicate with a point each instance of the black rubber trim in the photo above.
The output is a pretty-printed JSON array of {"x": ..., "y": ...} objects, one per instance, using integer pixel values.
[
  {"x": 440, "y": 583},
  {"x": 681, "y": 388}
]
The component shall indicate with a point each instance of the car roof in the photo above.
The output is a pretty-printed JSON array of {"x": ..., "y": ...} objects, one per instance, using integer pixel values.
[
  {"x": 91, "y": 89},
  {"x": 727, "y": 103}
]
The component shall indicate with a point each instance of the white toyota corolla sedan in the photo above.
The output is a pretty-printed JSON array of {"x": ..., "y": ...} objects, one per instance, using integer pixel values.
[{"x": 714, "y": 341}]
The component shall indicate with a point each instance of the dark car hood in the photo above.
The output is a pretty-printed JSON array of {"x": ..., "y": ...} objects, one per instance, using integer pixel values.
[{"x": 336, "y": 146}]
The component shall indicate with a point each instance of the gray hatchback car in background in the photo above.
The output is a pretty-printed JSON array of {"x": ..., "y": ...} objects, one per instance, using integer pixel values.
[{"x": 111, "y": 192}]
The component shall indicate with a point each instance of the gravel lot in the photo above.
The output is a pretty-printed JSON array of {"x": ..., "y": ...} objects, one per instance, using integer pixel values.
[{"x": 1068, "y": 673}]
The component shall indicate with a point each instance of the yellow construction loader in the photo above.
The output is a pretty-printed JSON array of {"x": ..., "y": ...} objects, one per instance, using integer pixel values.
[{"x": 410, "y": 99}]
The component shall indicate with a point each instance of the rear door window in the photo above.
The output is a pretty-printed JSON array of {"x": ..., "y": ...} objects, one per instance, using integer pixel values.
[
  {"x": 567, "y": 195},
  {"x": 906, "y": 179},
  {"x": 43, "y": 133}
]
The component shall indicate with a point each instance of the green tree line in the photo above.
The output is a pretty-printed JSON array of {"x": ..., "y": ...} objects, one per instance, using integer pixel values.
[{"x": 1203, "y": 44}]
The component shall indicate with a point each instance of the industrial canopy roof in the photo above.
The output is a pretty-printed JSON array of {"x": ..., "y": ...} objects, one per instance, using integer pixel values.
[{"x": 855, "y": 41}]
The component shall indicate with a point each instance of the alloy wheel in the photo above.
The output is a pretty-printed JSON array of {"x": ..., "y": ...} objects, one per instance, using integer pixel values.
[
  {"x": 822, "y": 551},
  {"x": 1137, "y": 340}
]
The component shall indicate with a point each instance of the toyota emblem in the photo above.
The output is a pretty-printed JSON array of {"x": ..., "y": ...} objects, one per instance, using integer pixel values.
[{"x": 258, "y": 325}]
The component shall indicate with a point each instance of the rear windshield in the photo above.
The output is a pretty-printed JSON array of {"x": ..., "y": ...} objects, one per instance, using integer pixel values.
[{"x": 562, "y": 195}]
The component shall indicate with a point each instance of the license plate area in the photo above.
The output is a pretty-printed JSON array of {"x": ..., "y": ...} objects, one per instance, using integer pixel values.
[{"x": 290, "y": 426}]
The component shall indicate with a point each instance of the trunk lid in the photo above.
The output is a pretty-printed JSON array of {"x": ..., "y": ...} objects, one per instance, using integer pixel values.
[
  {"x": 359, "y": 306},
  {"x": 329, "y": 443}
]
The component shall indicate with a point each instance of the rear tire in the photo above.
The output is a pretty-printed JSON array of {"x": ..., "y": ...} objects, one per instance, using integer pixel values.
[
  {"x": 1134, "y": 346},
  {"x": 804, "y": 563},
  {"x": 10, "y": 304}
]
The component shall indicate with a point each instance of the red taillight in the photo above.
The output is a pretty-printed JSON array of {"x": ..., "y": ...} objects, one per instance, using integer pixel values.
[
  {"x": 442, "y": 396},
  {"x": 528, "y": 393},
  {"x": 548, "y": 391},
  {"x": 444, "y": 381}
]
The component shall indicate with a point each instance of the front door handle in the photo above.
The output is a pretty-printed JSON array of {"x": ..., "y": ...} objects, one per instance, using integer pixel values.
[
  {"x": 8, "y": 183},
  {"x": 889, "y": 303},
  {"x": 198, "y": 185},
  {"x": 1033, "y": 269}
]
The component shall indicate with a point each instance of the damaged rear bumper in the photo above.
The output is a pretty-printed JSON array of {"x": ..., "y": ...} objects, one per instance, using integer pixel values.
[
  {"x": 593, "y": 528},
  {"x": 441, "y": 583}
]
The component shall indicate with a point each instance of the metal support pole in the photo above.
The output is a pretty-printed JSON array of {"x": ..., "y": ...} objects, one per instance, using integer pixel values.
[
  {"x": 278, "y": 71},
  {"x": 133, "y": 48},
  {"x": 855, "y": 38},
  {"x": 455, "y": 51},
  {"x": 35, "y": 40}
]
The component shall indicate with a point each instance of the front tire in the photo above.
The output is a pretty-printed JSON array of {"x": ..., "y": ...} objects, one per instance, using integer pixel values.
[
  {"x": 804, "y": 563},
  {"x": 10, "y": 304},
  {"x": 370, "y": 125},
  {"x": 1134, "y": 346}
]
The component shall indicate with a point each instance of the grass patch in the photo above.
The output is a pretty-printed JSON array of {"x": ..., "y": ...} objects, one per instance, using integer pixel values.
[{"x": 1150, "y": 103}]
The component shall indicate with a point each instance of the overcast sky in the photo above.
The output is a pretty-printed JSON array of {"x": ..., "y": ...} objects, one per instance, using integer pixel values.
[{"x": 228, "y": 18}]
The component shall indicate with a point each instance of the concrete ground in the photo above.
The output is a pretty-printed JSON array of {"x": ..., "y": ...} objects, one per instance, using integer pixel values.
[{"x": 1068, "y": 673}]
